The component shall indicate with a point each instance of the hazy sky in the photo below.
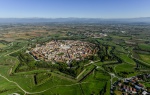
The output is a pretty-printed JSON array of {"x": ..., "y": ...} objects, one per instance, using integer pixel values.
[{"x": 75, "y": 8}]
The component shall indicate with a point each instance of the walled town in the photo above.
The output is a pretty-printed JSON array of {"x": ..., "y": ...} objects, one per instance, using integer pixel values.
[{"x": 63, "y": 51}]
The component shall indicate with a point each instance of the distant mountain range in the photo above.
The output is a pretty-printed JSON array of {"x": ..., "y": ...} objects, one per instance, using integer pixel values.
[{"x": 80, "y": 20}]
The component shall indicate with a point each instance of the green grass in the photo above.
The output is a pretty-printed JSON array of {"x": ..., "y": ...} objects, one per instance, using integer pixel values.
[
  {"x": 108, "y": 88},
  {"x": 2, "y": 45},
  {"x": 4, "y": 70},
  {"x": 42, "y": 77},
  {"x": 147, "y": 84},
  {"x": 96, "y": 82},
  {"x": 119, "y": 49},
  {"x": 120, "y": 37},
  {"x": 124, "y": 67},
  {"x": 64, "y": 90},
  {"x": 32, "y": 72},
  {"x": 145, "y": 57},
  {"x": 115, "y": 79},
  {"x": 8, "y": 60},
  {"x": 126, "y": 59},
  {"x": 87, "y": 70},
  {"x": 144, "y": 47},
  {"x": 109, "y": 50},
  {"x": 25, "y": 81},
  {"x": 8, "y": 88},
  {"x": 93, "y": 87},
  {"x": 52, "y": 83},
  {"x": 98, "y": 63}
]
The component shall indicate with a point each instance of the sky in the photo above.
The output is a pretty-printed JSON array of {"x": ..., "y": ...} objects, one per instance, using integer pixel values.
[{"x": 74, "y": 8}]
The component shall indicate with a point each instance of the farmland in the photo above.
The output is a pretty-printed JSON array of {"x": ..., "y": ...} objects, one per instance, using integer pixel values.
[
  {"x": 144, "y": 47},
  {"x": 118, "y": 56},
  {"x": 145, "y": 58}
]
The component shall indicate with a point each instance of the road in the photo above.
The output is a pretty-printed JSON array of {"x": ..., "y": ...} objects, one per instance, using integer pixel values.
[
  {"x": 91, "y": 63},
  {"x": 14, "y": 83},
  {"x": 14, "y": 51}
]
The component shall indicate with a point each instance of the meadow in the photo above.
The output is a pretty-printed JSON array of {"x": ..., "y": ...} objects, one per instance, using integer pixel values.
[{"x": 145, "y": 57}]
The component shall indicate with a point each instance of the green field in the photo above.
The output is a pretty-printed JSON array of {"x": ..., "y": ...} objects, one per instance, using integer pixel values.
[
  {"x": 147, "y": 84},
  {"x": 52, "y": 84},
  {"x": 144, "y": 47},
  {"x": 145, "y": 57},
  {"x": 125, "y": 69},
  {"x": 126, "y": 59},
  {"x": 96, "y": 82},
  {"x": 2, "y": 45},
  {"x": 8, "y": 60},
  {"x": 56, "y": 85},
  {"x": 120, "y": 37},
  {"x": 8, "y": 88},
  {"x": 27, "y": 83}
]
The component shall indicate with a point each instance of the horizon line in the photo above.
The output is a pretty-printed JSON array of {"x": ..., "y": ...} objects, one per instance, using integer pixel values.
[{"x": 69, "y": 17}]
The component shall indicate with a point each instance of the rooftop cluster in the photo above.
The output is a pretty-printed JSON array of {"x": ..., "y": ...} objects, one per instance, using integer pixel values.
[
  {"x": 63, "y": 50},
  {"x": 133, "y": 85}
]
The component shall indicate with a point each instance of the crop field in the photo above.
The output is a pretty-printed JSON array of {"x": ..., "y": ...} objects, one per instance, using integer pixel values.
[
  {"x": 126, "y": 59},
  {"x": 120, "y": 49},
  {"x": 144, "y": 47},
  {"x": 126, "y": 69},
  {"x": 145, "y": 57},
  {"x": 120, "y": 37}
]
